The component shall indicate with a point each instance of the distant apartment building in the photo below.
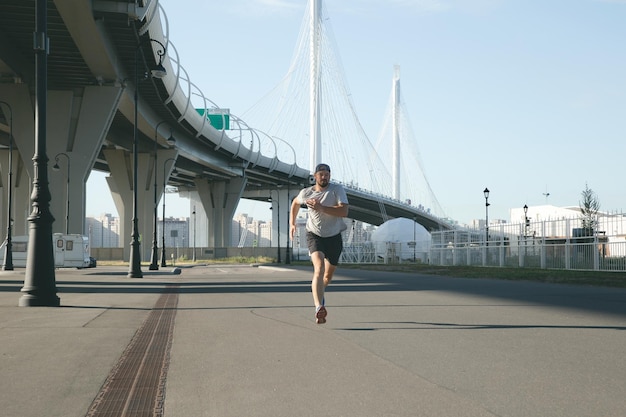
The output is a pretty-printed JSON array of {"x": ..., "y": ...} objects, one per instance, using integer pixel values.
[
  {"x": 176, "y": 232},
  {"x": 103, "y": 231},
  {"x": 480, "y": 223},
  {"x": 247, "y": 232},
  {"x": 264, "y": 234}
]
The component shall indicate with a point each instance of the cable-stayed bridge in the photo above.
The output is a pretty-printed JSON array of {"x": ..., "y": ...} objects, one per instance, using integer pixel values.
[
  {"x": 98, "y": 55},
  {"x": 312, "y": 108}
]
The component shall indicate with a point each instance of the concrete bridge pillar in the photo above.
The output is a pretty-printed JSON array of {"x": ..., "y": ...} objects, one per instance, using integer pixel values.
[
  {"x": 21, "y": 194},
  {"x": 78, "y": 121},
  {"x": 219, "y": 201},
  {"x": 281, "y": 207},
  {"x": 146, "y": 216},
  {"x": 120, "y": 183},
  {"x": 19, "y": 98},
  {"x": 77, "y": 126}
]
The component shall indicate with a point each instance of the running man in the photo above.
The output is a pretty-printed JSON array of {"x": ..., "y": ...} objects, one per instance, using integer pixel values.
[{"x": 328, "y": 205}]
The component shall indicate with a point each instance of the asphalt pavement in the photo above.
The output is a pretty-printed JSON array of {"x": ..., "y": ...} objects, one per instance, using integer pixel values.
[{"x": 241, "y": 340}]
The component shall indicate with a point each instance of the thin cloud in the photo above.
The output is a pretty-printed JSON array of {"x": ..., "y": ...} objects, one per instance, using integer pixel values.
[
  {"x": 263, "y": 8},
  {"x": 424, "y": 5},
  {"x": 280, "y": 4},
  {"x": 417, "y": 6}
]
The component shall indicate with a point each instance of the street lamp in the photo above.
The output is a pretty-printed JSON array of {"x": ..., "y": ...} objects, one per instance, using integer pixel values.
[
  {"x": 39, "y": 281},
  {"x": 486, "y": 192},
  {"x": 154, "y": 258},
  {"x": 157, "y": 72},
  {"x": 526, "y": 223},
  {"x": 278, "y": 230},
  {"x": 8, "y": 249},
  {"x": 414, "y": 239},
  {"x": 278, "y": 227},
  {"x": 56, "y": 167},
  {"x": 289, "y": 243},
  {"x": 193, "y": 256},
  {"x": 278, "y": 221},
  {"x": 298, "y": 240},
  {"x": 525, "y": 220},
  {"x": 163, "y": 258}
]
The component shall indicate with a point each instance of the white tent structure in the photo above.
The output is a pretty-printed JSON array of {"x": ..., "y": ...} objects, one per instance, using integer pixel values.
[{"x": 400, "y": 240}]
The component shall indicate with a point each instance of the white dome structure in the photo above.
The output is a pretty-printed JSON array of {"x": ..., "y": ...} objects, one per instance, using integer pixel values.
[{"x": 401, "y": 239}]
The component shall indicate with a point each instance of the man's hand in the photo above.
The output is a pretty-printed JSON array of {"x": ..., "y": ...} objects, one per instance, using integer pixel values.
[{"x": 313, "y": 204}]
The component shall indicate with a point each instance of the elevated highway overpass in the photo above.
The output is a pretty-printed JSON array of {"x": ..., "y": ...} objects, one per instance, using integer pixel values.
[{"x": 97, "y": 50}]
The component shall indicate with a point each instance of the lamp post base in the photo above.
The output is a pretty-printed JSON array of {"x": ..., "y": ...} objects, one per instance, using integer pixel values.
[
  {"x": 154, "y": 259},
  {"x": 135, "y": 263},
  {"x": 31, "y": 300},
  {"x": 134, "y": 270}
]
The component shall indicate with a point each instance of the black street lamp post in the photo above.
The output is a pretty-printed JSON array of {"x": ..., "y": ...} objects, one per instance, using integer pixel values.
[
  {"x": 289, "y": 243},
  {"x": 56, "y": 167},
  {"x": 154, "y": 258},
  {"x": 39, "y": 280},
  {"x": 278, "y": 223},
  {"x": 414, "y": 239},
  {"x": 526, "y": 223},
  {"x": 486, "y": 192},
  {"x": 526, "y": 220},
  {"x": 298, "y": 241},
  {"x": 271, "y": 199},
  {"x": 157, "y": 72},
  {"x": 163, "y": 258},
  {"x": 193, "y": 255},
  {"x": 8, "y": 249}
]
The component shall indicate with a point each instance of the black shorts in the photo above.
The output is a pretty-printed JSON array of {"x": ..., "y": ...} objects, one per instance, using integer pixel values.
[{"x": 330, "y": 246}]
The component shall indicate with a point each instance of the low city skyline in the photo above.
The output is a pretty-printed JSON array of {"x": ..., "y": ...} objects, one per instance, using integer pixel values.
[{"x": 175, "y": 206}]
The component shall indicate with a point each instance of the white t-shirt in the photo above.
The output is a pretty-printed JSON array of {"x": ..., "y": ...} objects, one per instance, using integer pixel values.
[{"x": 322, "y": 224}]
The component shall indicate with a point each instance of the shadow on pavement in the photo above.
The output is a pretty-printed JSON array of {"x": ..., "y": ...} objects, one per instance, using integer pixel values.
[{"x": 595, "y": 299}]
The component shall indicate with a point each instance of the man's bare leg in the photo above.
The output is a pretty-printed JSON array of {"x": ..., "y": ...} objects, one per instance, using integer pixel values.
[
  {"x": 329, "y": 270},
  {"x": 318, "y": 282}
]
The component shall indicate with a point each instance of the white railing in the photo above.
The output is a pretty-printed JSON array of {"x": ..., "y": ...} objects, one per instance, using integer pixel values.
[
  {"x": 360, "y": 253},
  {"x": 381, "y": 253},
  {"x": 548, "y": 244}
]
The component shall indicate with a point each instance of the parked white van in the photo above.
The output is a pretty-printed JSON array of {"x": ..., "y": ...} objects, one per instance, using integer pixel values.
[{"x": 70, "y": 251}]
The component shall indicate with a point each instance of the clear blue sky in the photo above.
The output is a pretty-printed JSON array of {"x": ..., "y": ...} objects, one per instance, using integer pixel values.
[{"x": 521, "y": 96}]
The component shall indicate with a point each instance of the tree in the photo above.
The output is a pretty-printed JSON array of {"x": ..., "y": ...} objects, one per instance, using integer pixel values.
[{"x": 589, "y": 207}]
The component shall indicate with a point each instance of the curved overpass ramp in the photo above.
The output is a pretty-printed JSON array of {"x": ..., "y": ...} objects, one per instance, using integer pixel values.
[{"x": 106, "y": 45}]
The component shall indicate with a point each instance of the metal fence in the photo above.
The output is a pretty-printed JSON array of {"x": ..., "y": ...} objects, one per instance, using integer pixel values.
[
  {"x": 556, "y": 244},
  {"x": 383, "y": 253},
  {"x": 359, "y": 253}
]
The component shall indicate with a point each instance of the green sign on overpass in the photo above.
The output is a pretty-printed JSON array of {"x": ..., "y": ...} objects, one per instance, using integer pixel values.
[{"x": 219, "y": 118}]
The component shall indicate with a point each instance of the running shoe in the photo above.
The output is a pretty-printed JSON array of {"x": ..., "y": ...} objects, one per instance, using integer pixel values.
[{"x": 320, "y": 315}]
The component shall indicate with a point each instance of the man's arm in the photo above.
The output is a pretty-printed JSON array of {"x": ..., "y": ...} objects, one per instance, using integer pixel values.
[
  {"x": 339, "y": 210},
  {"x": 295, "y": 209}
]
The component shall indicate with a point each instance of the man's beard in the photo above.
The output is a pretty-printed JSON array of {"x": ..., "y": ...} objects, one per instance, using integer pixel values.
[{"x": 323, "y": 183}]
